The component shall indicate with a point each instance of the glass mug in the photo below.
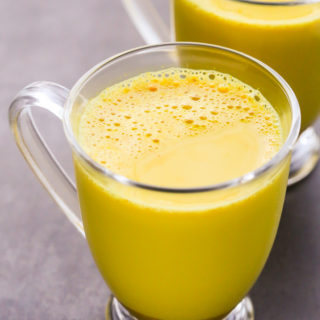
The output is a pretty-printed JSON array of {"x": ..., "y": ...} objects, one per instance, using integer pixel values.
[
  {"x": 188, "y": 253},
  {"x": 282, "y": 34}
]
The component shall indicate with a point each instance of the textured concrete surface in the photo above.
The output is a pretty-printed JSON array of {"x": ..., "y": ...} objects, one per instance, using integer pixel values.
[{"x": 46, "y": 271}]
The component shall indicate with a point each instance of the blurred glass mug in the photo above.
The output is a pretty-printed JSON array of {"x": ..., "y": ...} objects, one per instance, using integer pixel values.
[
  {"x": 138, "y": 249},
  {"x": 282, "y": 34}
]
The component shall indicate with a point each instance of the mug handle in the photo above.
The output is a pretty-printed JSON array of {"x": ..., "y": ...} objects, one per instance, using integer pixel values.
[
  {"x": 147, "y": 21},
  {"x": 49, "y": 96}
]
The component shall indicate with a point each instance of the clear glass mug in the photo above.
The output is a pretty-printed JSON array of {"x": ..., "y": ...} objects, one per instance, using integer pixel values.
[
  {"x": 185, "y": 253},
  {"x": 282, "y": 34}
]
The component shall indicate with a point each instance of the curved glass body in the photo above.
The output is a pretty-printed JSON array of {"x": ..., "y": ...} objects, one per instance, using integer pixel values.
[{"x": 181, "y": 253}]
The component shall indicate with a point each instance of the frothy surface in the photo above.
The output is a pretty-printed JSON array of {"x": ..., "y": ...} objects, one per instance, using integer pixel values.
[{"x": 180, "y": 128}]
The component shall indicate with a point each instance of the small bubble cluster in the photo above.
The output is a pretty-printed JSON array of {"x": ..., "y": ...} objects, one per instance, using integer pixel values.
[{"x": 141, "y": 115}]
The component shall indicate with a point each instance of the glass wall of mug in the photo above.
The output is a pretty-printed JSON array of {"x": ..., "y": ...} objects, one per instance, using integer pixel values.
[
  {"x": 166, "y": 253},
  {"x": 282, "y": 34}
]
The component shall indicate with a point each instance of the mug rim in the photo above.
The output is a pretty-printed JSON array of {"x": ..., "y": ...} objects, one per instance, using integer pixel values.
[
  {"x": 276, "y": 3},
  {"x": 244, "y": 179}
]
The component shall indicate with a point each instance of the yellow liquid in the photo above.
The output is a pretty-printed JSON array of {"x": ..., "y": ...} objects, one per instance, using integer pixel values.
[
  {"x": 286, "y": 38},
  {"x": 180, "y": 256}
]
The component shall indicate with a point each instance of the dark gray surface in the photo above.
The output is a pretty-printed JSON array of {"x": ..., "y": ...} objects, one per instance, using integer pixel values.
[{"x": 46, "y": 271}]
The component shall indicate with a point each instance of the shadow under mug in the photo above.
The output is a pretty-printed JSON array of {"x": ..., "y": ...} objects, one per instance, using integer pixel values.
[
  {"x": 246, "y": 26},
  {"x": 165, "y": 253}
]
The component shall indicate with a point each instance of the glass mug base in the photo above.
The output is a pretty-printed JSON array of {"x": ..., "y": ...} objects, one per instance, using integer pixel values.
[
  {"x": 243, "y": 311},
  {"x": 305, "y": 156}
]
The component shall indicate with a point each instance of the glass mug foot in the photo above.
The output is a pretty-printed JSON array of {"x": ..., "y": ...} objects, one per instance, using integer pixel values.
[
  {"x": 305, "y": 156},
  {"x": 243, "y": 311}
]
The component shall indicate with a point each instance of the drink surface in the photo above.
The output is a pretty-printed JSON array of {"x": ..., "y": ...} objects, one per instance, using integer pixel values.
[
  {"x": 284, "y": 37},
  {"x": 180, "y": 128},
  {"x": 180, "y": 256}
]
